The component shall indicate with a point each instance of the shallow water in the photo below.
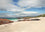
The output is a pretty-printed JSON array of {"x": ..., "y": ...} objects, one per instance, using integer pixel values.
[{"x": 13, "y": 19}]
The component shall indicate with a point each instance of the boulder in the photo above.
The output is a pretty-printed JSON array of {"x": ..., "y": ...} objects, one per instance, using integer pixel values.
[{"x": 5, "y": 21}]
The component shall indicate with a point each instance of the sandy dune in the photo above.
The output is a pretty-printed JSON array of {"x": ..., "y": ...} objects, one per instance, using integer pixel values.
[{"x": 28, "y": 26}]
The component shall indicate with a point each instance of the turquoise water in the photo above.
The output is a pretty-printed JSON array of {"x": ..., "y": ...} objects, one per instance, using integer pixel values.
[{"x": 13, "y": 19}]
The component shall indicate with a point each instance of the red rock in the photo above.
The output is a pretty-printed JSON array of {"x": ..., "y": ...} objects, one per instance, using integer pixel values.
[
  {"x": 5, "y": 21},
  {"x": 10, "y": 21}
]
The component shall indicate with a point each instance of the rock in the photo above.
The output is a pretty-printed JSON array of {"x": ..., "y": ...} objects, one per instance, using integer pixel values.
[{"x": 5, "y": 21}]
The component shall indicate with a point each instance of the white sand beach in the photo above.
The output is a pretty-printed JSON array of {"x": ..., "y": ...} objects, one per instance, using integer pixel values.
[{"x": 24, "y": 26}]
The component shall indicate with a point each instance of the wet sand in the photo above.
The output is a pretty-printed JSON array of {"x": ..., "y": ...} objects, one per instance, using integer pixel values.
[{"x": 24, "y": 26}]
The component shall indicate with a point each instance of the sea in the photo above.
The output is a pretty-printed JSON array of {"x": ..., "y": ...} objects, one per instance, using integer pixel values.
[{"x": 13, "y": 19}]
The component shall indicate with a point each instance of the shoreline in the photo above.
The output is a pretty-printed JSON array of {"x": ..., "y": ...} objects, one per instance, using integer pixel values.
[{"x": 24, "y": 26}]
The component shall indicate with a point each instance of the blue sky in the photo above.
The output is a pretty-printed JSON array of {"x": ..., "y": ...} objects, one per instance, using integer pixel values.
[
  {"x": 39, "y": 10},
  {"x": 21, "y": 8}
]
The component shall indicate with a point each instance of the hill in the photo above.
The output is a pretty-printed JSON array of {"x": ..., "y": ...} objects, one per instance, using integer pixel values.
[{"x": 43, "y": 15}]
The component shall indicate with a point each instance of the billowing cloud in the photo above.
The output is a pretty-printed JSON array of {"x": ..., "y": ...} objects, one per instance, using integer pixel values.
[
  {"x": 4, "y": 4},
  {"x": 18, "y": 14},
  {"x": 31, "y": 3},
  {"x": 9, "y": 5},
  {"x": 28, "y": 12}
]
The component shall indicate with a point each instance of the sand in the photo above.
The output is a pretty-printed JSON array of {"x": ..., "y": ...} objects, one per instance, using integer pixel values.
[{"x": 24, "y": 26}]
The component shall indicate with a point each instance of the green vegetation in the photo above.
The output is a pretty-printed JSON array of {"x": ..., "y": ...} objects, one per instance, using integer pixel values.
[{"x": 43, "y": 15}]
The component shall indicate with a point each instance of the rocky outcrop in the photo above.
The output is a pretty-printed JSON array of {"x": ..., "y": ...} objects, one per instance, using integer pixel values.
[{"x": 5, "y": 21}]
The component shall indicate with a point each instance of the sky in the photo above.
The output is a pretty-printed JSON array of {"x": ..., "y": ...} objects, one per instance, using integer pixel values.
[{"x": 21, "y": 8}]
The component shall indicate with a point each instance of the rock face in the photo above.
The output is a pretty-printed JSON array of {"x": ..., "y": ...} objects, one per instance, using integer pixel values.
[{"x": 5, "y": 21}]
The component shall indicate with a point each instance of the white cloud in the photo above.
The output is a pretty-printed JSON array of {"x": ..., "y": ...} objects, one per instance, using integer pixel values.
[
  {"x": 12, "y": 7},
  {"x": 31, "y": 3},
  {"x": 25, "y": 13},
  {"x": 4, "y": 4},
  {"x": 19, "y": 14},
  {"x": 29, "y": 12},
  {"x": 7, "y": 5}
]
